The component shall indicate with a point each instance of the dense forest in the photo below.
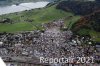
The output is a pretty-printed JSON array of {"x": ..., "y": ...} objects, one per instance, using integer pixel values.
[
  {"x": 91, "y": 22},
  {"x": 79, "y": 8}
]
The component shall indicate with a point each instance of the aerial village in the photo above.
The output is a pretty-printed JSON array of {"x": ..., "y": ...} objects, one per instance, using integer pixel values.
[{"x": 25, "y": 48}]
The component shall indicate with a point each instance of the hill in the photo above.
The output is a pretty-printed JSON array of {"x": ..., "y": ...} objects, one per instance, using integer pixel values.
[
  {"x": 78, "y": 7},
  {"x": 90, "y": 21},
  {"x": 31, "y": 20},
  {"x": 88, "y": 25}
]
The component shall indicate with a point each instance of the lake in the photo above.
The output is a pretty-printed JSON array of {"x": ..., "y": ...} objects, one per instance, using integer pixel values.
[{"x": 22, "y": 7}]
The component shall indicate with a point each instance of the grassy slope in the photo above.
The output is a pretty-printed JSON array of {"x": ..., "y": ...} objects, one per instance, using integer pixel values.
[
  {"x": 38, "y": 16},
  {"x": 95, "y": 35}
]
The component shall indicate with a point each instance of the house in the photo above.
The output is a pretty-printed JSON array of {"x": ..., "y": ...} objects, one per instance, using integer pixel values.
[{"x": 98, "y": 47}]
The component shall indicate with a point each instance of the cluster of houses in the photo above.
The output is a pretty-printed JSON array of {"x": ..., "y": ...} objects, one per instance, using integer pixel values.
[
  {"x": 6, "y": 20},
  {"x": 25, "y": 48}
]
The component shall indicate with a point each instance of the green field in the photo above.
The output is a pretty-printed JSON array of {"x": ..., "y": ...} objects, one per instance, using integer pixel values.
[
  {"x": 38, "y": 17},
  {"x": 94, "y": 35}
]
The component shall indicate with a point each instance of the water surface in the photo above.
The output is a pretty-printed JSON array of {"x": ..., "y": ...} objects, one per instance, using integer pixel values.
[{"x": 21, "y": 7}]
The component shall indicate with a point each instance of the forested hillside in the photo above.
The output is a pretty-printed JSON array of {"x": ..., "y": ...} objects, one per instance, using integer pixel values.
[
  {"x": 79, "y": 8},
  {"x": 91, "y": 21}
]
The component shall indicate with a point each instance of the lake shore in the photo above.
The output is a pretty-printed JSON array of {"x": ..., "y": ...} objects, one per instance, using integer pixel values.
[{"x": 22, "y": 7}]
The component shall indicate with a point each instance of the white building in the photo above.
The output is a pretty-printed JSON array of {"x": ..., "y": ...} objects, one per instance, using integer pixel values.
[{"x": 1, "y": 62}]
